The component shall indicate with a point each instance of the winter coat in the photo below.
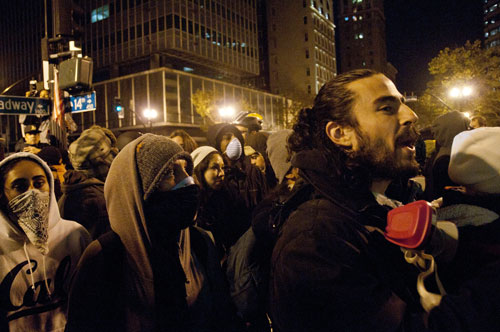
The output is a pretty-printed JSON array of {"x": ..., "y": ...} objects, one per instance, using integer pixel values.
[
  {"x": 83, "y": 201},
  {"x": 331, "y": 272},
  {"x": 224, "y": 215},
  {"x": 22, "y": 267},
  {"x": 132, "y": 281},
  {"x": 478, "y": 220}
]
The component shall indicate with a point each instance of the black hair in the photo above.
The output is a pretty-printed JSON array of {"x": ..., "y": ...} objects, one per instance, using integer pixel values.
[
  {"x": 189, "y": 143},
  {"x": 334, "y": 102}
]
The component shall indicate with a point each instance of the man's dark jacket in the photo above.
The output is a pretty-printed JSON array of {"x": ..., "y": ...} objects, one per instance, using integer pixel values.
[
  {"x": 330, "y": 271},
  {"x": 83, "y": 201}
]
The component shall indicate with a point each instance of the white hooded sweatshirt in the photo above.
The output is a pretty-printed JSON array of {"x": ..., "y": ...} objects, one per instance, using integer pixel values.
[{"x": 23, "y": 268}]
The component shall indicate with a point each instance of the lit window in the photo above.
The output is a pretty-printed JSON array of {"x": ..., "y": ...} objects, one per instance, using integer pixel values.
[
  {"x": 327, "y": 16},
  {"x": 346, "y": 18},
  {"x": 360, "y": 17},
  {"x": 243, "y": 44},
  {"x": 357, "y": 1},
  {"x": 354, "y": 18},
  {"x": 486, "y": 35},
  {"x": 486, "y": 23},
  {"x": 99, "y": 14},
  {"x": 360, "y": 36},
  {"x": 188, "y": 69}
]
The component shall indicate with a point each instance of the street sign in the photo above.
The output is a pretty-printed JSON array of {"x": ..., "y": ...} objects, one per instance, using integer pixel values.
[
  {"x": 83, "y": 103},
  {"x": 24, "y": 105}
]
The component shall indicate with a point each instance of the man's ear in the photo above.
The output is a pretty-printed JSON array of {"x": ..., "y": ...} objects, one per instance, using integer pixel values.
[{"x": 340, "y": 135}]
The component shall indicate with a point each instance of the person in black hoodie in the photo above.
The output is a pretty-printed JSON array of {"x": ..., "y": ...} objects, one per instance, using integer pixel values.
[{"x": 332, "y": 268}]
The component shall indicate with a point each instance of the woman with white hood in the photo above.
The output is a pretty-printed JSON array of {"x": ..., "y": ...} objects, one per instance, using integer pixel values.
[{"x": 38, "y": 249}]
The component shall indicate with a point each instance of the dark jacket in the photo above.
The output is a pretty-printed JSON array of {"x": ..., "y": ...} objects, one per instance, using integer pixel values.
[
  {"x": 83, "y": 201},
  {"x": 225, "y": 215},
  {"x": 479, "y": 227},
  {"x": 330, "y": 273}
]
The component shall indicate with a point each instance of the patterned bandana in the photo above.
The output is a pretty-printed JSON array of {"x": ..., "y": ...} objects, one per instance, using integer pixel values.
[{"x": 32, "y": 210}]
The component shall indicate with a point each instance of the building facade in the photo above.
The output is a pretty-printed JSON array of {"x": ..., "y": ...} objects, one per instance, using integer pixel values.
[
  {"x": 362, "y": 41},
  {"x": 301, "y": 46},
  {"x": 213, "y": 38},
  {"x": 169, "y": 92},
  {"x": 491, "y": 23}
]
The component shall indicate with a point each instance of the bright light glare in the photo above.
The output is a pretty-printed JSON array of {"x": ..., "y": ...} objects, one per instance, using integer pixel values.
[
  {"x": 227, "y": 111},
  {"x": 467, "y": 114},
  {"x": 150, "y": 113},
  {"x": 466, "y": 91},
  {"x": 454, "y": 92},
  {"x": 461, "y": 92}
]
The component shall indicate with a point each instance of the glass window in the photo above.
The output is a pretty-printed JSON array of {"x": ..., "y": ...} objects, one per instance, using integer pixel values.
[{"x": 99, "y": 14}]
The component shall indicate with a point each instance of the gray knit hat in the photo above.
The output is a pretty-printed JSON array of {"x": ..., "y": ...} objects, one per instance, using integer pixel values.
[
  {"x": 201, "y": 153},
  {"x": 154, "y": 156},
  {"x": 277, "y": 151}
]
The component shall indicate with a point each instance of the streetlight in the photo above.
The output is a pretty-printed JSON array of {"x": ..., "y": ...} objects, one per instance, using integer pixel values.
[
  {"x": 461, "y": 91},
  {"x": 150, "y": 114},
  {"x": 227, "y": 111}
]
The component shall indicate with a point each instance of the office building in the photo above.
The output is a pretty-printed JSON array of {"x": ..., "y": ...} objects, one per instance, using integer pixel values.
[
  {"x": 361, "y": 31},
  {"x": 301, "y": 46},
  {"x": 491, "y": 23},
  {"x": 213, "y": 38}
]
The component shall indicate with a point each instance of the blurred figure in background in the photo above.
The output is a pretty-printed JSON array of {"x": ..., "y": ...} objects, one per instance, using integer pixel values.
[
  {"x": 83, "y": 189},
  {"x": 39, "y": 251},
  {"x": 477, "y": 121},
  {"x": 444, "y": 129},
  {"x": 182, "y": 138},
  {"x": 52, "y": 156}
]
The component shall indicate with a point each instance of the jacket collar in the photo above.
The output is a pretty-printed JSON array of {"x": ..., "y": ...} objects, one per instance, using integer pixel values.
[{"x": 314, "y": 169}]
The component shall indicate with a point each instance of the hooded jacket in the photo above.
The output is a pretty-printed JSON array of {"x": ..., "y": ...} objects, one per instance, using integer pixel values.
[
  {"x": 20, "y": 261},
  {"x": 83, "y": 201},
  {"x": 444, "y": 129},
  {"x": 131, "y": 304},
  {"x": 331, "y": 272}
]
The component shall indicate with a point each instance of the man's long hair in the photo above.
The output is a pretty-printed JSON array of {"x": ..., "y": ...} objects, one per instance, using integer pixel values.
[{"x": 334, "y": 102}]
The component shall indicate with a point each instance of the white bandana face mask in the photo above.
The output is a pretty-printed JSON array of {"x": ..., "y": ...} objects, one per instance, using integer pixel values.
[{"x": 32, "y": 210}]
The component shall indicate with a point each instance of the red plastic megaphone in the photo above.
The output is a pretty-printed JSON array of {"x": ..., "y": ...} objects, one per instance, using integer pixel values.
[{"x": 409, "y": 225}]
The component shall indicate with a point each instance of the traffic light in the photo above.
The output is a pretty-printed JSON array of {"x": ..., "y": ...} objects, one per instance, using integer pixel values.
[
  {"x": 69, "y": 18},
  {"x": 118, "y": 108}
]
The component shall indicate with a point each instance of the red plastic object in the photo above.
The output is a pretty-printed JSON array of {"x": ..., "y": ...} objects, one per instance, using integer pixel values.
[{"x": 410, "y": 224}]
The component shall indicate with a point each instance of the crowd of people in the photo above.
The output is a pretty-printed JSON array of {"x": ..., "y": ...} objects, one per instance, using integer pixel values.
[{"x": 257, "y": 231}]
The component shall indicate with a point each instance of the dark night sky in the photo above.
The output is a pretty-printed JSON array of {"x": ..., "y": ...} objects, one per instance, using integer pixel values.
[{"x": 418, "y": 29}]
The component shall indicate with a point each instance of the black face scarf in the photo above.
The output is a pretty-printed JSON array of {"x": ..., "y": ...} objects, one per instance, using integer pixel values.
[{"x": 168, "y": 212}]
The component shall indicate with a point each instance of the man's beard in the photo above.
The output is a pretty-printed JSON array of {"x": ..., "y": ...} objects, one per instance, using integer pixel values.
[{"x": 375, "y": 157}]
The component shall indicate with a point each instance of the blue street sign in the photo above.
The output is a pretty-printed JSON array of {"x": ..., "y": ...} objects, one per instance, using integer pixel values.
[
  {"x": 83, "y": 103},
  {"x": 24, "y": 105}
]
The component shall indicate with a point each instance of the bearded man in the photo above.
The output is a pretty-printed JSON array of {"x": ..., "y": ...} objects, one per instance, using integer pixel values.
[{"x": 332, "y": 268}]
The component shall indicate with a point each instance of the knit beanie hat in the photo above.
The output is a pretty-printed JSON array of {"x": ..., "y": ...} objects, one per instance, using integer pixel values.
[
  {"x": 95, "y": 146},
  {"x": 475, "y": 160},
  {"x": 154, "y": 156},
  {"x": 201, "y": 153},
  {"x": 277, "y": 151}
]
